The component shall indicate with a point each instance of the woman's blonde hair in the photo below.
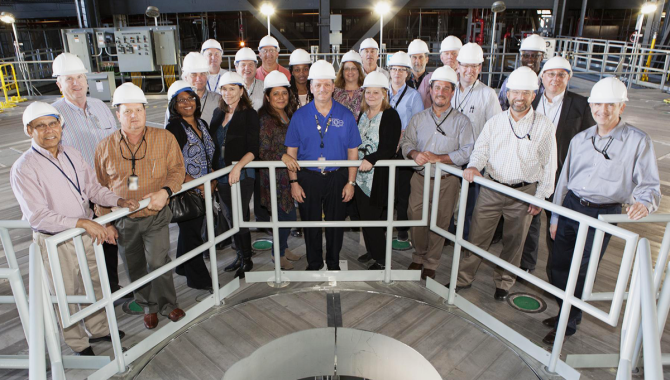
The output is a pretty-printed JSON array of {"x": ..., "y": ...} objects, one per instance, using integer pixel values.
[{"x": 385, "y": 102}]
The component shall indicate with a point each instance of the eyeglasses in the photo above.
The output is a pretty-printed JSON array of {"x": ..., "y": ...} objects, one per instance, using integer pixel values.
[
  {"x": 532, "y": 55},
  {"x": 551, "y": 75},
  {"x": 43, "y": 126},
  {"x": 397, "y": 69},
  {"x": 350, "y": 68},
  {"x": 520, "y": 93},
  {"x": 269, "y": 51},
  {"x": 186, "y": 100}
]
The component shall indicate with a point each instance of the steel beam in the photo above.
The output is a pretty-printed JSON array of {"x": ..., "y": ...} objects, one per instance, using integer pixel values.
[{"x": 324, "y": 26}]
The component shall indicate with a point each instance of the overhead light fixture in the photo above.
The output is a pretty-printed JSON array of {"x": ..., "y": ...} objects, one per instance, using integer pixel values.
[
  {"x": 382, "y": 8},
  {"x": 153, "y": 12},
  {"x": 497, "y": 7},
  {"x": 267, "y": 9},
  {"x": 7, "y": 17},
  {"x": 648, "y": 7}
]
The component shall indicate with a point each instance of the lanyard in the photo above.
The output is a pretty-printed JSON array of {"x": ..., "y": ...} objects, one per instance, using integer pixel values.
[
  {"x": 439, "y": 126},
  {"x": 209, "y": 88},
  {"x": 544, "y": 105},
  {"x": 77, "y": 186},
  {"x": 132, "y": 154},
  {"x": 401, "y": 96},
  {"x": 527, "y": 134},
  {"x": 318, "y": 127},
  {"x": 253, "y": 87},
  {"x": 604, "y": 151},
  {"x": 458, "y": 90}
]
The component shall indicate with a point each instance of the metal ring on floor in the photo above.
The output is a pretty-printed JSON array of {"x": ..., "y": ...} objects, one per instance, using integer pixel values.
[
  {"x": 526, "y": 302},
  {"x": 262, "y": 244},
  {"x": 399, "y": 245}
]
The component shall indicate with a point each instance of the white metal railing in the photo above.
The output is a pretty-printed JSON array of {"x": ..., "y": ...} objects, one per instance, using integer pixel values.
[{"x": 41, "y": 322}]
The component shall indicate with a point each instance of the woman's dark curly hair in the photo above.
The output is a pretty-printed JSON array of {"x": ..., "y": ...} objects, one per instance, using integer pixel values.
[
  {"x": 267, "y": 109},
  {"x": 172, "y": 106}
]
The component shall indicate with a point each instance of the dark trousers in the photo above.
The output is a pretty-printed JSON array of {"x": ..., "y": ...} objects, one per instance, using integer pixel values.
[
  {"x": 283, "y": 216},
  {"x": 473, "y": 193},
  {"x": 261, "y": 213},
  {"x": 375, "y": 237},
  {"x": 112, "y": 264},
  {"x": 403, "y": 177},
  {"x": 532, "y": 244},
  {"x": 195, "y": 270},
  {"x": 323, "y": 195},
  {"x": 564, "y": 245},
  {"x": 243, "y": 236}
]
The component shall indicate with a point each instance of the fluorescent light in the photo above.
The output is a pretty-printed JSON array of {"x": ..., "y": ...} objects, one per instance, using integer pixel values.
[
  {"x": 267, "y": 9},
  {"x": 382, "y": 8}
]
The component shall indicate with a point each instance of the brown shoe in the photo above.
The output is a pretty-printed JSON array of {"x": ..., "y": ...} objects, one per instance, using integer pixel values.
[
  {"x": 176, "y": 315},
  {"x": 151, "y": 321},
  {"x": 290, "y": 255},
  {"x": 284, "y": 263},
  {"x": 427, "y": 273},
  {"x": 415, "y": 266}
]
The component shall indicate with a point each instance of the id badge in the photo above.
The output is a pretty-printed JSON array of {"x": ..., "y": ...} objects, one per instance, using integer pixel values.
[
  {"x": 133, "y": 183},
  {"x": 323, "y": 168}
]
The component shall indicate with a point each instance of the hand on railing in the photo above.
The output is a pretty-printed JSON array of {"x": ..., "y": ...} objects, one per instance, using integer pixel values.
[
  {"x": 112, "y": 234},
  {"x": 637, "y": 211},
  {"x": 130, "y": 204},
  {"x": 157, "y": 199},
  {"x": 470, "y": 173},
  {"x": 97, "y": 232},
  {"x": 290, "y": 162}
]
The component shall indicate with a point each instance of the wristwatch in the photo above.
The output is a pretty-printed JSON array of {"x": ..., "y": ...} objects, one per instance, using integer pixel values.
[
  {"x": 169, "y": 191},
  {"x": 352, "y": 183},
  {"x": 292, "y": 181}
]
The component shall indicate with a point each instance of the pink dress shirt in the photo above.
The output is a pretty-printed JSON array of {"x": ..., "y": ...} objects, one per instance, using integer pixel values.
[{"x": 261, "y": 73}]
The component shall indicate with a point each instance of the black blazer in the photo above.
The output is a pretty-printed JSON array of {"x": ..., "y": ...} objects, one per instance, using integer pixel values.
[
  {"x": 389, "y": 135},
  {"x": 241, "y": 137},
  {"x": 575, "y": 117}
]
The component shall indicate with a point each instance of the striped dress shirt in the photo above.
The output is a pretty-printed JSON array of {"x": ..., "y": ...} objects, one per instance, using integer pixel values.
[
  {"x": 518, "y": 151},
  {"x": 83, "y": 129},
  {"x": 159, "y": 163}
]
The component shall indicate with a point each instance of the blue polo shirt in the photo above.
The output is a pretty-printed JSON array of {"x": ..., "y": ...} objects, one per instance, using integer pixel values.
[{"x": 342, "y": 134}]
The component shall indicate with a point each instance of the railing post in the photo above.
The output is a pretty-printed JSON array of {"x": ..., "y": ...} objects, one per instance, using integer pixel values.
[
  {"x": 37, "y": 357},
  {"x": 462, "y": 205},
  {"x": 209, "y": 220},
  {"x": 593, "y": 264},
  {"x": 275, "y": 230},
  {"x": 389, "y": 220}
]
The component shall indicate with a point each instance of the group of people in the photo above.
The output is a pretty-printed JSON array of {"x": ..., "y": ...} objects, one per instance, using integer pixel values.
[{"x": 535, "y": 136}]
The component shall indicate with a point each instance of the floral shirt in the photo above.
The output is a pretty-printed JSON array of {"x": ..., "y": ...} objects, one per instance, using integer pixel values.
[
  {"x": 272, "y": 149},
  {"x": 352, "y": 102},
  {"x": 198, "y": 152},
  {"x": 369, "y": 130}
]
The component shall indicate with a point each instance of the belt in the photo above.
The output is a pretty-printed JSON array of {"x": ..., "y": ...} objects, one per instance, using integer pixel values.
[
  {"x": 586, "y": 203},
  {"x": 445, "y": 175},
  {"x": 513, "y": 185}
]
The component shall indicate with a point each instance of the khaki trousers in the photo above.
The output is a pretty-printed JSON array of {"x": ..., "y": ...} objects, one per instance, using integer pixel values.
[
  {"x": 490, "y": 206},
  {"x": 96, "y": 324},
  {"x": 428, "y": 245}
]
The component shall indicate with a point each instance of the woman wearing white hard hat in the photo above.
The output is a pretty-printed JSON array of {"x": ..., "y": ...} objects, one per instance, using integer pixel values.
[
  {"x": 278, "y": 107},
  {"x": 213, "y": 52},
  {"x": 245, "y": 66},
  {"x": 235, "y": 129},
  {"x": 299, "y": 65},
  {"x": 268, "y": 49},
  {"x": 197, "y": 148},
  {"x": 350, "y": 76},
  {"x": 379, "y": 126}
]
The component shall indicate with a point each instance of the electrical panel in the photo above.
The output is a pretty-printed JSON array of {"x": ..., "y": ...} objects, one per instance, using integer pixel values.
[
  {"x": 103, "y": 39},
  {"x": 164, "y": 47},
  {"x": 134, "y": 50},
  {"x": 78, "y": 44}
]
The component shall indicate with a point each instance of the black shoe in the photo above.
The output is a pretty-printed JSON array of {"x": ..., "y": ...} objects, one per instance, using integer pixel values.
[
  {"x": 355, "y": 229},
  {"x": 247, "y": 266},
  {"x": 365, "y": 258},
  {"x": 235, "y": 265},
  {"x": 459, "y": 288},
  {"x": 376, "y": 266},
  {"x": 500, "y": 294},
  {"x": 106, "y": 338},
  {"x": 296, "y": 232},
  {"x": 311, "y": 268},
  {"x": 86, "y": 352},
  {"x": 551, "y": 322},
  {"x": 336, "y": 267},
  {"x": 496, "y": 239},
  {"x": 403, "y": 236},
  {"x": 529, "y": 270}
]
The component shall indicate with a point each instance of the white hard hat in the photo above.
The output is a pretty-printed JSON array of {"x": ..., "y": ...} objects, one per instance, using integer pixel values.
[
  {"x": 128, "y": 93},
  {"x": 400, "y": 59},
  {"x": 523, "y": 78},
  {"x": 471, "y": 53},
  {"x": 300, "y": 57},
  {"x": 268, "y": 41},
  {"x": 451, "y": 43},
  {"x": 231, "y": 77},
  {"x": 321, "y": 70},
  {"x": 195, "y": 63},
  {"x": 275, "y": 79},
  {"x": 557, "y": 62},
  {"x": 352, "y": 56},
  {"x": 418, "y": 47},
  {"x": 177, "y": 87},
  {"x": 68, "y": 64},
  {"x": 609, "y": 90},
  {"x": 533, "y": 43},
  {"x": 211, "y": 44},
  {"x": 375, "y": 79},
  {"x": 444, "y": 73},
  {"x": 245, "y": 54},
  {"x": 36, "y": 110},
  {"x": 369, "y": 43}
]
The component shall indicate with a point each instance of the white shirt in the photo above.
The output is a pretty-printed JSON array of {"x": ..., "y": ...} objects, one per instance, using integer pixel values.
[
  {"x": 552, "y": 109},
  {"x": 478, "y": 102},
  {"x": 255, "y": 92},
  {"x": 213, "y": 80},
  {"x": 518, "y": 151}
]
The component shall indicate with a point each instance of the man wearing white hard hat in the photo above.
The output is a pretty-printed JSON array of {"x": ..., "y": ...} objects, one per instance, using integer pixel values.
[
  {"x": 245, "y": 65},
  {"x": 478, "y": 102},
  {"x": 323, "y": 130},
  {"x": 299, "y": 64},
  {"x": 213, "y": 52},
  {"x": 449, "y": 49},
  {"x": 438, "y": 134},
  {"x": 570, "y": 114},
  {"x": 418, "y": 54},
  {"x": 518, "y": 150},
  {"x": 608, "y": 165},
  {"x": 532, "y": 52},
  {"x": 369, "y": 51},
  {"x": 195, "y": 70},
  {"x": 141, "y": 162},
  {"x": 268, "y": 49},
  {"x": 53, "y": 184},
  {"x": 89, "y": 121}
]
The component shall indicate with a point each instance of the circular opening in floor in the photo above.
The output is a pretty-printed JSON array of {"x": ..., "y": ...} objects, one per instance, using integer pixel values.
[
  {"x": 262, "y": 244},
  {"x": 527, "y": 303}
]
